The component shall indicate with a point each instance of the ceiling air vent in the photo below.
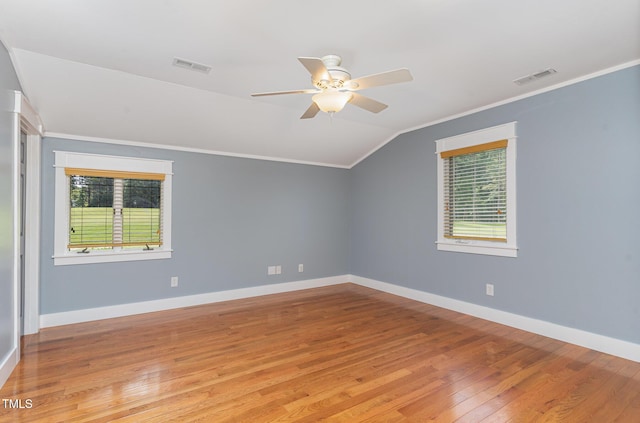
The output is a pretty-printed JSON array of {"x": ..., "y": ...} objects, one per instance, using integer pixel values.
[
  {"x": 534, "y": 76},
  {"x": 187, "y": 64}
]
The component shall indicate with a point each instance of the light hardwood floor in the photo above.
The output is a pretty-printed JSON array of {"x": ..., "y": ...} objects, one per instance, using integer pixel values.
[{"x": 342, "y": 353}]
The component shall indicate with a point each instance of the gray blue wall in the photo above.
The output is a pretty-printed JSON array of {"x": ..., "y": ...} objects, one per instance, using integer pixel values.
[
  {"x": 578, "y": 204},
  {"x": 578, "y": 171},
  {"x": 8, "y": 83},
  {"x": 231, "y": 218}
]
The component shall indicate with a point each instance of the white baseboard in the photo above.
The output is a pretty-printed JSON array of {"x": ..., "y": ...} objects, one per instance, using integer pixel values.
[
  {"x": 613, "y": 346},
  {"x": 617, "y": 347},
  {"x": 98, "y": 313},
  {"x": 7, "y": 366}
]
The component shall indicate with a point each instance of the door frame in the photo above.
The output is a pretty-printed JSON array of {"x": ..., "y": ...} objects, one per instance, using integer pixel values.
[{"x": 27, "y": 120}]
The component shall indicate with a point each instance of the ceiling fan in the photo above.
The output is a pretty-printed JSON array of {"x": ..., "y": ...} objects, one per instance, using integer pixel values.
[{"x": 334, "y": 88}]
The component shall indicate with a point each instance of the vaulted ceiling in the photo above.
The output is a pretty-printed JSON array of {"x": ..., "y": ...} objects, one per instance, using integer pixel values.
[{"x": 103, "y": 68}]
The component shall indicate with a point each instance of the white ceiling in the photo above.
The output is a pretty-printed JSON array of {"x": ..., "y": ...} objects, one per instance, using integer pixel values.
[{"x": 103, "y": 68}]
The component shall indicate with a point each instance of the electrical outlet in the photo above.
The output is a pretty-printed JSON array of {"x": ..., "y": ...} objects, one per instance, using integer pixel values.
[
  {"x": 300, "y": 268},
  {"x": 271, "y": 270},
  {"x": 174, "y": 281},
  {"x": 489, "y": 289},
  {"x": 278, "y": 270}
]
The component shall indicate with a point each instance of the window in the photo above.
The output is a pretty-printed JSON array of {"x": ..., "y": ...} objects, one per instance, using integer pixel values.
[
  {"x": 114, "y": 210},
  {"x": 110, "y": 208},
  {"x": 476, "y": 192}
]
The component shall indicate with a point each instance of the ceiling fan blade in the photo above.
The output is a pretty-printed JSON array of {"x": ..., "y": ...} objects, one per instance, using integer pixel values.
[
  {"x": 311, "y": 111},
  {"x": 316, "y": 68},
  {"x": 378, "y": 79},
  {"x": 367, "y": 103},
  {"x": 308, "y": 91}
]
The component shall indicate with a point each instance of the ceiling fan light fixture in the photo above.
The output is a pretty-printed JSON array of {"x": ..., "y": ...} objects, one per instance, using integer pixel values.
[
  {"x": 334, "y": 88},
  {"x": 332, "y": 101}
]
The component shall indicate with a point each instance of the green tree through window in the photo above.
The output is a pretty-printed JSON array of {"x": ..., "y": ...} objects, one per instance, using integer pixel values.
[
  {"x": 114, "y": 212},
  {"x": 477, "y": 201}
]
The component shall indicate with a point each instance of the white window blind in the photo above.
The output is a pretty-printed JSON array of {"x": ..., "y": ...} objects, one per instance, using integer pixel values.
[
  {"x": 475, "y": 192},
  {"x": 112, "y": 209}
]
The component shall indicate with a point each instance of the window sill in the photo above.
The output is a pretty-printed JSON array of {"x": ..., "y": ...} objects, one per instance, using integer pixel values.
[
  {"x": 485, "y": 248},
  {"x": 110, "y": 257}
]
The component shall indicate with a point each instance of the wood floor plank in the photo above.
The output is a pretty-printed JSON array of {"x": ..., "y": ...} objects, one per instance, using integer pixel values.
[{"x": 340, "y": 354}]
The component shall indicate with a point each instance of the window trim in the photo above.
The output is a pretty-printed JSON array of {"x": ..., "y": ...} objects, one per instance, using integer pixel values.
[
  {"x": 470, "y": 139},
  {"x": 67, "y": 159}
]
